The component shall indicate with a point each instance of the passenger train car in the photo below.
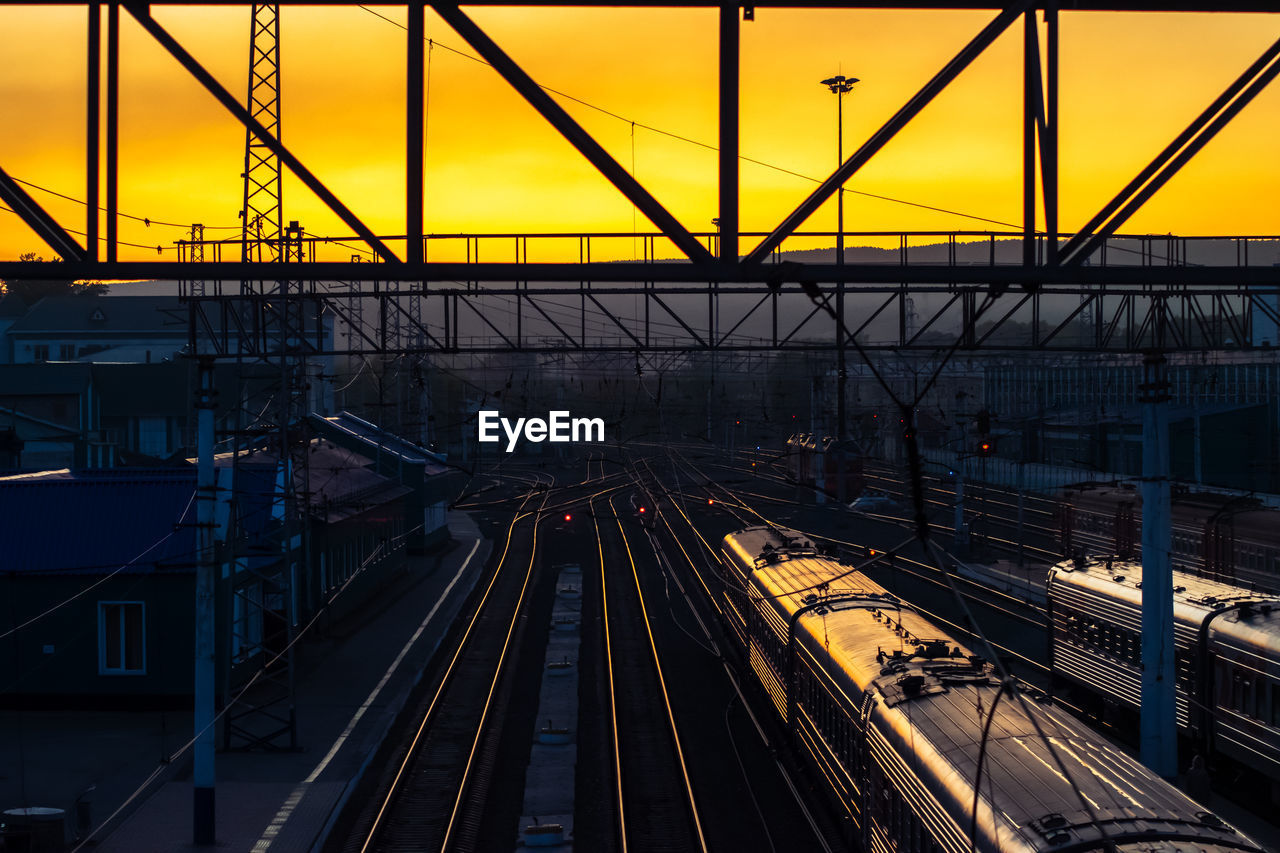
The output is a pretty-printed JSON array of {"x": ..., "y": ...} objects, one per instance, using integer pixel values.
[
  {"x": 1231, "y": 539},
  {"x": 900, "y": 724},
  {"x": 1227, "y": 660},
  {"x": 822, "y": 462}
]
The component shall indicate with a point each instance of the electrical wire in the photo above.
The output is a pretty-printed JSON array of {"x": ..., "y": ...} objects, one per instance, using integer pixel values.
[
  {"x": 709, "y": 147},
  {"x": 158, "y": 249},
  {"x": 146, "y": 220},
  {"x": 104, "y": 578}
]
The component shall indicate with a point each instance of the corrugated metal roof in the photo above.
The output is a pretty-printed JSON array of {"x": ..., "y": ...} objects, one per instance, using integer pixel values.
[
  {"x": 380, "y": 441},
  {"x": 97, "y": 522},
  {"x": 337, "y": 476}
]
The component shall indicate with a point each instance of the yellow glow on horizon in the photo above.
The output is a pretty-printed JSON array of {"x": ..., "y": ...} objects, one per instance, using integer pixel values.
[{"x": 1130, "y": 83}]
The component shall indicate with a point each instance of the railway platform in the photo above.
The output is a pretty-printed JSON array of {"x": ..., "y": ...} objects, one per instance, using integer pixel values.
[{"x": 350, "y": 687}]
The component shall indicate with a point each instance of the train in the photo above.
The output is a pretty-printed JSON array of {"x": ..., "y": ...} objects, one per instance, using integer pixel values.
[
  {"x": 826, "y": 464},
  {"x": 916, "y": 742},
  {"x": 1220, "y": 537},
  {"x": 1227, "y": 662}
]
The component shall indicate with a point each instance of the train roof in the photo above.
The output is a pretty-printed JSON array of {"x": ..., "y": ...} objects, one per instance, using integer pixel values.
[
  {"x": 1252, "y": 520},
  {"x": 1243, "y": 613},
  {"x": 934, "y": 699},
  {"x": 822, "y": 443},
  {"x": 1123, "y": 579}
]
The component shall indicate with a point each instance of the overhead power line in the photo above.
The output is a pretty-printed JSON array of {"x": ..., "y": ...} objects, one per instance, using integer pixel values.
[{"x": 689, "y": 140}]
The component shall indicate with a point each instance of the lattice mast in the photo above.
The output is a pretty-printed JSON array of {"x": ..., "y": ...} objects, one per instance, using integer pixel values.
[
  {"x": 262, "y": 214},
  {"x": 262, "y": 620}
]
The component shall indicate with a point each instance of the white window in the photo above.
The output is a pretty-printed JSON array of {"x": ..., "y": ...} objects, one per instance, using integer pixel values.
[{"x": 122, "y": 638}]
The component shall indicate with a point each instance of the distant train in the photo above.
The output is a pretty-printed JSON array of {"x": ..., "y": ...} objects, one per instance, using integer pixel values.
[
  {"x": 823, "y": 463},
  {"x": 1230, "y": 539},
  {"x": 1227, "y": 660},
  {"x": 913, "y": 738}
]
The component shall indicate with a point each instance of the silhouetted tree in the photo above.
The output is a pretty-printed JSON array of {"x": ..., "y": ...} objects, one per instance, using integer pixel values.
[{"x": 32, "y": 290}]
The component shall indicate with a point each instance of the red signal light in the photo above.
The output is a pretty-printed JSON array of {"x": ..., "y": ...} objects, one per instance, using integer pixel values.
[
  {"x": 642, "y": 510},
  {"x": 710, "y": 501},
  {"x": 568, "y": 517}
]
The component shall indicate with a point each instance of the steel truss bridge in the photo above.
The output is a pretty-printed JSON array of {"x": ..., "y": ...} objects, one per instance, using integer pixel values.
[{"x": 1093, "y": 289}]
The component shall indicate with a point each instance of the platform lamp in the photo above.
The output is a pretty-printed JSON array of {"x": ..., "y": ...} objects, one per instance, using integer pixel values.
[{"x": 841, "y": 86}]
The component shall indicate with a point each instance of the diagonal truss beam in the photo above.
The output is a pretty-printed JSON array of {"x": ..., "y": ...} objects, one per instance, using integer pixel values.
[
  {"x": 1167, "y": 163},
  {"x": 621, "y": 326},
  {"x": 568, "y": 337},
  {"x": 573, "y": 132},
  {"x": 142, "y": 14},
  {"x": 658, "y": 299},
  {"x": 882, "y": 136},
  {"x": 38, "y": 219}
]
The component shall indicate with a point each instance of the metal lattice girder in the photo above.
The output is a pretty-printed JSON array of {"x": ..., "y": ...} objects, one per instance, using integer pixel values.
[
  {"x": 999, "y": 277},
  {"x": 743, "y": 318},
  {"x": 260, "y": 118},
  {"x": 142, "y": 14}
]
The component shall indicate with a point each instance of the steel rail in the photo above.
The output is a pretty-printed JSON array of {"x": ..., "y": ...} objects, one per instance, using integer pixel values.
[
  {"x": 393, "y": 792},
  {"x": 662, "y": 684},
  {"x": 903, "y": 563},
  {"x": 730, "y": 672},
  {"x": 499, "y": 669},
  {"x": 710, "y": 597},
  {"x": 620, "y": 803},
  {"x": 897, "y": 565}
]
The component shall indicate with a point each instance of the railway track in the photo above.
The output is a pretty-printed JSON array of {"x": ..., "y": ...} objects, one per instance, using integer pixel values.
[
  {"x": 432, "y": 795},
  {"x": 655, "y": 807},
  {"x": 989, "y": 510},
  {"x": 1009, "y": 607},
  {"x": 689, "y": 583}
]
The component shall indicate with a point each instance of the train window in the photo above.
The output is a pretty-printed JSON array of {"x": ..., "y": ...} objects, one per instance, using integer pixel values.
[
  {"x": 1184, "y": 672},
  {"x": 1241, "y": 698}
]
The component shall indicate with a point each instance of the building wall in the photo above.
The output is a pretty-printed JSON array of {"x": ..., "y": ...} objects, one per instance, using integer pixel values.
[
  {"x": 373, "y": 539},
  {"x": 59, "y": 658},
  {"x": 29, "y": 348}
]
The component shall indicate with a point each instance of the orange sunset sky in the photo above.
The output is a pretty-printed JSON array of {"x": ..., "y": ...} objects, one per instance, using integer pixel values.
[{"x": 1130, "y": 82}]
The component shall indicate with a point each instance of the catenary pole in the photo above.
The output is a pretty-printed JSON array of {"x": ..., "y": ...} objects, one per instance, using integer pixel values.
[
  {"x": 206, "y": 572},
  {"x": 1158, "y": 732}
]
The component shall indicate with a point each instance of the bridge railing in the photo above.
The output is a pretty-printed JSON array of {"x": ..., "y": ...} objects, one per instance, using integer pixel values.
[{"x": 902, "y": 248}]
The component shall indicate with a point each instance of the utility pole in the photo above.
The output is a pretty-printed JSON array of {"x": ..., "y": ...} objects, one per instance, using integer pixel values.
[
  {"x": 1159, "y": 742},
  {"x": 840, "y": 86},
  {"x": 842, "y": 370},
  {"x": 206, "y": 575},
  {"x": 961, "y": 534},
  {"x": 1022, "y": 490}
]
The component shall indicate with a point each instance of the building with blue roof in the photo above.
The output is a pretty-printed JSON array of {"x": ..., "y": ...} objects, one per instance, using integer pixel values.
[
  {"x": 98, "y": 575},
  {"x": 97, "y": 570}
]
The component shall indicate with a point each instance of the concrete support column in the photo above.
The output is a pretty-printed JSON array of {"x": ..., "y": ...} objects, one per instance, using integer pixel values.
[
  {"x": 206, "y": 575},
  {"x": 1158, "y": 735}
]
